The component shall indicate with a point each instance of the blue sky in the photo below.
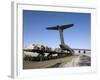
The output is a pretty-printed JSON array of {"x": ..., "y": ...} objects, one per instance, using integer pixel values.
[{"x": 35, "y": 22}]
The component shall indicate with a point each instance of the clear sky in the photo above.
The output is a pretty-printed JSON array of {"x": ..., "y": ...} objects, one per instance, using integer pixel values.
[{"x": 35, "y": 23}]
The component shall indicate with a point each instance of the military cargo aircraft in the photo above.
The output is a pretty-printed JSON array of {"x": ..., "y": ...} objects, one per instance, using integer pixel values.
[{"x": 61, "y": 28}]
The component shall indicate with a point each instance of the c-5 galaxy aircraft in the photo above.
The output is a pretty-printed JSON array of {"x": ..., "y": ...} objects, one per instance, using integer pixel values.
[{"x": 63, "y": 46}]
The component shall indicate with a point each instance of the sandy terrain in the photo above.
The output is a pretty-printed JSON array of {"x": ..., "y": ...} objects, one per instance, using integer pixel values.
[
  {"x": 49, "y": 63},
  {"x": 70, "y": 61}
]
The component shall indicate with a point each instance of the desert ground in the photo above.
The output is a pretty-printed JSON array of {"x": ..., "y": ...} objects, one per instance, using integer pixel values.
[{"x": 77, "y": 60}]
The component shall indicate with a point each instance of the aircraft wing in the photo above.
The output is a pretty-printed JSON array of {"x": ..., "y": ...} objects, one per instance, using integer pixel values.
[{"x": 60, "y": 27}]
